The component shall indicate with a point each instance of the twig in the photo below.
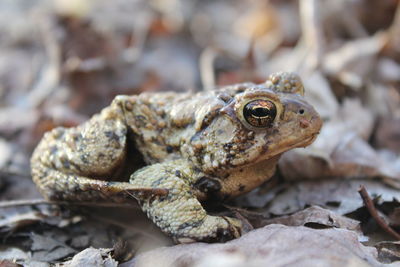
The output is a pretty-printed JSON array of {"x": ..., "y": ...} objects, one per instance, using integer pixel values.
[
  {"x": 369, "y": 204},
  {"x": 29, "y": 202},
  {"x": 312, "y": 31},
  {"x": 14, "y": 173},
  {"x": 49, "y": 77},
  {"x": 207, "y": 74}
]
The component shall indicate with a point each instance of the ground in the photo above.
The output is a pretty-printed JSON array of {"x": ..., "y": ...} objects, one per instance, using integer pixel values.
[{"x": 62, "y": 61}]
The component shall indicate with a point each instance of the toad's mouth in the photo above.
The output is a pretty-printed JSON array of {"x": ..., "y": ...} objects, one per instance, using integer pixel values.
[{"x": 297, "y": 144}]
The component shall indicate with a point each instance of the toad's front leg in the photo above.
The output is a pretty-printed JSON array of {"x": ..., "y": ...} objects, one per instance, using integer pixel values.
[{"x": 180, "y": 214}]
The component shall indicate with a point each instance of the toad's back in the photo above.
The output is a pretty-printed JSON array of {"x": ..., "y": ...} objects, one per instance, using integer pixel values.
[{"x": 164, "y": 123}]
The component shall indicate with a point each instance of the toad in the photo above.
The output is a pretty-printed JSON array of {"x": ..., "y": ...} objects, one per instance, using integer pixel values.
[{"x": 195, "y": 146}]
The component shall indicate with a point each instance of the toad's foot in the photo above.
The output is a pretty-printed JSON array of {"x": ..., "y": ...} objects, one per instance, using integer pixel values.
[{"x": 180, "y": 214}]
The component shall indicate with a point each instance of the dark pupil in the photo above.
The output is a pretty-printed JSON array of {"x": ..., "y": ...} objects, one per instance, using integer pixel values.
[{"x": 260, "y": 112}]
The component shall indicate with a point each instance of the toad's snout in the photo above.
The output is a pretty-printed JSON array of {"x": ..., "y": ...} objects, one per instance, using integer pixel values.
[
  {"x": 311, "y": 123},
  {"x": 307, "y": 117}
]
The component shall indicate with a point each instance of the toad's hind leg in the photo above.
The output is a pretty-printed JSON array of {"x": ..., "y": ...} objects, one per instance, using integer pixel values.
[
  {"x": 180, "y": 214},
  {"x": 78, "y": 163}
]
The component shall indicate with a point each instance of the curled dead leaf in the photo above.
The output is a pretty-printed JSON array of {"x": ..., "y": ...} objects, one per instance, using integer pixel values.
[{"x": 269, "y": 246}]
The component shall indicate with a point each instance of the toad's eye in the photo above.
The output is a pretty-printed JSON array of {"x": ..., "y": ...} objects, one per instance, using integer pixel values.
[{"x": 259, "y": 113}]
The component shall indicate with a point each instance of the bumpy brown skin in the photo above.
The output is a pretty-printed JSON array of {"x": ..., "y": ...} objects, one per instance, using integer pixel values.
[{"x": 196, "y": 146}]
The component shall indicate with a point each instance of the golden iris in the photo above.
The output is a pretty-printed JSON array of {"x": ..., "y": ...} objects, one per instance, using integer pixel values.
[{"x": 259, "y": 113}]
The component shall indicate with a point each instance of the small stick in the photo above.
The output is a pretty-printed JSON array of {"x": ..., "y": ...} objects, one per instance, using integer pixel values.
[
  {"x": 206, "y": 65},
  {"x": 369, "y": 204},
  {"x": 311, "y": 21},
  {"x": 29, "y": 202}
]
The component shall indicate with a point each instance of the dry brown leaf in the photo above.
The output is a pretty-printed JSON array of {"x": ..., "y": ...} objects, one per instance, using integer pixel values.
[
  {"x": 273, "y": 245},
  {"x": 14, "y": 119},
  {"x": 339, "y": 196},
  {"x": 6, "y": 263},
  {"x": 92, "y": 257},
  {"x": 388, "y": 133},
  {"x": 388, "y": 251},
  {"x": 352, "y": 158},
  {"x": 353, "y": 60},
  {"x": 17, "y": 256},
  {"x": 318, "y": 92},
  {"x": 315, "y": 217},
  {"x": 12, "y": 222},
  {"x": 50, "y": 247}
]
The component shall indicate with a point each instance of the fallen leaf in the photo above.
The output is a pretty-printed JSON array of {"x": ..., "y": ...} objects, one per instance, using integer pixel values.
[
  {"x": 339, "y": 196},
  {"x": 319, "y": 93},
  {"x": 388, "y": 252},
  {"x": 50, "y": 247},
  {"x": 352, "y": 61},
  {"x": 13, "y": 222},
  {"x": 269, "y": 246},
  {"x": 315, "y": 217},
  {"x": 92, "y": 257},
  {"x": 6, "y": 263},
  {"x": 17, "y": 256},
  {"x": 387, "y": 134}
]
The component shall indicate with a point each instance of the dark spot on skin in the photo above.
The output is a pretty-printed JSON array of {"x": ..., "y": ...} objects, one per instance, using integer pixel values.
[
  {"x": 195, "y": 137},
  {"x": 196, "y": 170},
  {"x": 224, "y": 176},
  {"x": 229, "y": 156},
  {"x": 190, "y": 224},
  {"x": 265, "y": 147},
  {"x": 169, "y": 149},
  {"x": 65, "y": 163},
  {"x": 76, "y": 166},
  {"x": 157, "y": 182},
  {"x": 223, "y": 235},
  {"x": 165, "y": 198},
  {"x": 154, "y": 140},
  {"x": 207, "y": 185},
  {"x": 53, "y": 166},
  {"x": 100, "y": 155},
  {"x": 77, "y": 137},
  {"x": 208, "y": 118},
  {"x": 84, "y": 159},
  {"x": 241, "y": 188},
  {"x": 224, "y": 97},
  {"x": 54, "y": 195},
  {"x": 178, "y": 173},
  {"x": 53, "y": 150},
  {"x": 112, "y": 136},
  {"x": 228, "y": 146},
  {"x": 220, "y": 131},
  {"x": 241, "y": 170},
  {"x": 140, "y": 120}
]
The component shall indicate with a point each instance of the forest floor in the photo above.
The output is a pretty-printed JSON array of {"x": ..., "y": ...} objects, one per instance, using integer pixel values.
[{"x": 335, "y": 203}]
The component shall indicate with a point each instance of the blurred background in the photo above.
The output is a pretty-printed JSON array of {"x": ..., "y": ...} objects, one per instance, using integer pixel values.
[{"x": 61, "y": 61}]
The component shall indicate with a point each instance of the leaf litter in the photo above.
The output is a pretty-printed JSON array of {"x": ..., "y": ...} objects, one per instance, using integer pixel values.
[{"x": 65, "y": 60}]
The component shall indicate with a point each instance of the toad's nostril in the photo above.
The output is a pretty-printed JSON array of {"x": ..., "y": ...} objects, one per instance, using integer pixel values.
[{"x": 304, "y": 123}]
